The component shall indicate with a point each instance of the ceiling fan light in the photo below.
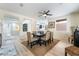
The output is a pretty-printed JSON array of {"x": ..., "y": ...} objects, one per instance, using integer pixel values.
[{"x": 44, "y": 15}]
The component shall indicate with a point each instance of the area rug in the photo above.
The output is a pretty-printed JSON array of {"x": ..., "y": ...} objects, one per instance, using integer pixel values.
[{"x": 38, "y": 50}]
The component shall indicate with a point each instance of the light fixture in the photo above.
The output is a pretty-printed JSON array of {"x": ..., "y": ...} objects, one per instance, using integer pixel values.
[
  {"x": 21, "y": 5},
  {"x": 44, "y": 15}
]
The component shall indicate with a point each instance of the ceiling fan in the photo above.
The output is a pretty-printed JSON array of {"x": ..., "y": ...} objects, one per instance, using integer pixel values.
[{"x": 45, "y": 13}]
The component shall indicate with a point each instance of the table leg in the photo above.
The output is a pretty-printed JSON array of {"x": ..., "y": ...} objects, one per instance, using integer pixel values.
[
  {"x": 50, "y": 40},
  {"x": 45, "y": 43},
  {"x": 65, "y": 53},
  {"x": 31, "y": 45},
  {"x": 39, "y": 41},
  {"x": 40, "y": 44}
]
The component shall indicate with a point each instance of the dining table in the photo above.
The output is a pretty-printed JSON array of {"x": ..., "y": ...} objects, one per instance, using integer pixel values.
[{"x": 39, "y": 41}]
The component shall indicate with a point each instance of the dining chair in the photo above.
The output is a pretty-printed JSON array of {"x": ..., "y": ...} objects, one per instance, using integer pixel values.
[
  {"x": 29, "y": 37},
  {"x": 48, "y": 37},
  {"x": 51, "y": 37}
]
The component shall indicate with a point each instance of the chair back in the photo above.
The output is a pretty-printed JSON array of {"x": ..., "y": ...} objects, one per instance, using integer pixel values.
[
  {"x": 29, "y": 37},
  {"x": 52, "y": 36},
  {"x": 48, "y": 35}
]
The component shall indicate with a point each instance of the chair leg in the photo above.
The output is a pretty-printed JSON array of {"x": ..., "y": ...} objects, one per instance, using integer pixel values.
[
  {"x": 52, "y": 40},
  {"x": 27, "y": 43},
  {"x": 31, "y": 45},
  {"x": 45, "y": 44},
  {"x": 49, "y": 41},
  {"x": 40, "y": 44},
  {"x": 72, "y": 41},
  {"x": 65, "y": 53}
]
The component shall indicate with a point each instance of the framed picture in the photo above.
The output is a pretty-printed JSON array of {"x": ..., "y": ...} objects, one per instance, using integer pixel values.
[
  {"x": 25, "y": 26},
  {"x": 51, "y": 24}
]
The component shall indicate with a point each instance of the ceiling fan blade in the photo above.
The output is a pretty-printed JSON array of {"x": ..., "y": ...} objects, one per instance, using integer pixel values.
[
  {"x": 47, "y": 11},
  {"x": 40, "y": 12},
  {"x": 40, "y": 15},
  {"x": 49, "y": 14}
]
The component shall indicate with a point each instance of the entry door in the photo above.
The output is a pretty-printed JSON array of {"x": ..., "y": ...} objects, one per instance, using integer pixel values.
[
  {"x": 10, "y": 29},
  {"x": 7, "y": 29}
]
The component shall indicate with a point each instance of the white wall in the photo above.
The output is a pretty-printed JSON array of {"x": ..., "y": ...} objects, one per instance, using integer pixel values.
[
  {"x": 20, "y": 19},
  {"x": 73, "y": 20}
]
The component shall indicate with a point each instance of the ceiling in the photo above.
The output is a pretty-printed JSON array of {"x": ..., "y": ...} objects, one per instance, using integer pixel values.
[{"x": 32, "y": 9}]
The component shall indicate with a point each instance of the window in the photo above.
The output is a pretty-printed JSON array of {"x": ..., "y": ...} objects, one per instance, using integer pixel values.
[
  {"x": 41, "y": 24},
  {"x": 61, "y": 25}
]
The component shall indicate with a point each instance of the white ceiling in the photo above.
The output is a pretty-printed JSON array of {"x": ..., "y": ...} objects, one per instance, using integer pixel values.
[{"x": 32, "y": 9}]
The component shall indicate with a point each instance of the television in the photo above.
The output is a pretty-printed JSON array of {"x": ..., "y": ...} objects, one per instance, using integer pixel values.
[
  {"x": 0, "y": 39},
  {"x": 76, "y": 38}
]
